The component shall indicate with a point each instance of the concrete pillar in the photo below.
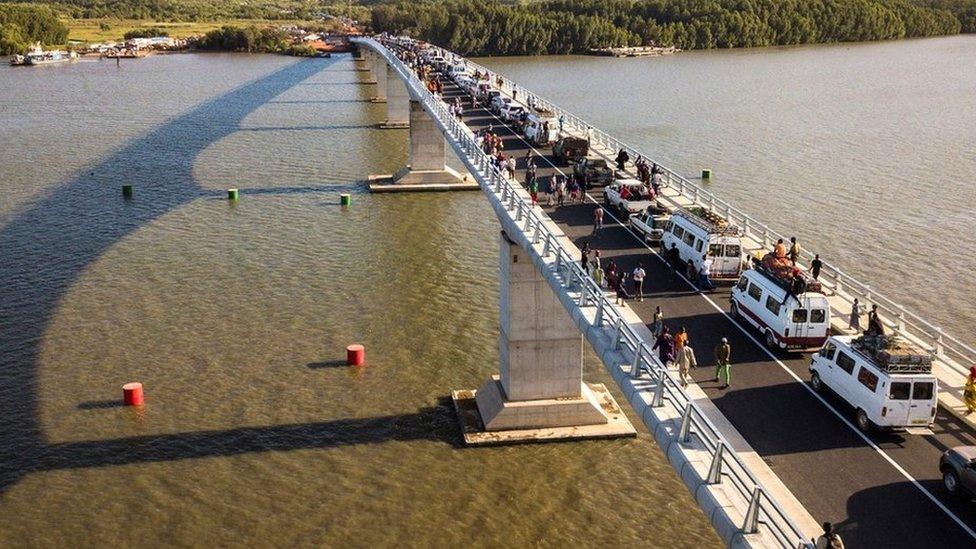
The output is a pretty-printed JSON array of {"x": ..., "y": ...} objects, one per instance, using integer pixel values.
[
  {"x": 380, "y": 74},
  {"x": 541, "y": 382},
  {"x": 368, "y": 57},
  {"x": 427, "y": 146},
  {"x": 397, "y": 101},
  {"x": 541, "y": 347}
]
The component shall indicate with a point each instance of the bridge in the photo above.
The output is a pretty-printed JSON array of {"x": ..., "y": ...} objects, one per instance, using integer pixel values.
[{"x": 762, "y": 458}]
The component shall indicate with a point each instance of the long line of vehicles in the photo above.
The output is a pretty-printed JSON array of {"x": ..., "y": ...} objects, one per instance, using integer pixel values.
[{"x": 887, "y": 383}]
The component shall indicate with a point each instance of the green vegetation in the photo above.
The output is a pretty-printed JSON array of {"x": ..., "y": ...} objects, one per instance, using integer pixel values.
[
  {"x": 963, "y": 10},
  {"x": 22, "y": 24},
  {"x": 145, "y": 32},
  {"x": 574, "y": 26},
  {"x": 253, "y": 39}
]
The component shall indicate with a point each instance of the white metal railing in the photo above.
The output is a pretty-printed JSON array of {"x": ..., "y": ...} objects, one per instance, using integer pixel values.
[
  {"x": 902, "y": 321},
  {"x": 762, "y": 512}
]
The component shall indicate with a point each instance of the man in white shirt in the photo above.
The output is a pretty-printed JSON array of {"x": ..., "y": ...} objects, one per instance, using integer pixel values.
[
  {"x": 705, "y": 273},
  {"x": 638, "y": 277}
]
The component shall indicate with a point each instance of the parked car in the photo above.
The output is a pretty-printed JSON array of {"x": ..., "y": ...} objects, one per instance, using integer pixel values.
[
  {"x": 626, "y": 197},
  {"x": 567, "y": 149},
  {"x": 511, "y": 112},
  {"x": 595, "y": 171},
  {"x": 887, "y": 391},
  {"x": 499, "y": 102},
  {"x": 650, "y": 224},
  {"x": 958, "y": 467}
]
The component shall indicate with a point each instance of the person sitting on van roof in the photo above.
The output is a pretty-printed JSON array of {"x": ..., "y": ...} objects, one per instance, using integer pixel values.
[{"x": 779, "y": 250}]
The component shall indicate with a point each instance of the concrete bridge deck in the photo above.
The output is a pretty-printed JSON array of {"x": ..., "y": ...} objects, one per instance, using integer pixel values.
[{"x": 879, "y": 489}]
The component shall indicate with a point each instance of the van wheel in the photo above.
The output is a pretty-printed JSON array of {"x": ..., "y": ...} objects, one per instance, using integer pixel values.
[
  {"x": 863, "y": 423},
  {"x": 951, "y": 482},
  {"x": 771, "y": 340},
  {"x": 816, "y": 382},
  {"x": 734, "y": 310}
]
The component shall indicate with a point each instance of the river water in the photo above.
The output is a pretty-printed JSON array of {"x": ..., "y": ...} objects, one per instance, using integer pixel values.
[
  {"x": 235, "y": 318},
  {"x": 865, "y": 152}
]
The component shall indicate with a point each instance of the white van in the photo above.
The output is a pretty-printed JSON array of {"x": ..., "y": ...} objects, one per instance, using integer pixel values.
[
  {"x": 786, "y": 320},
  {"x": 535, "y": 129},
  {"x": 456, "y": 71},
  {"x": 696, "y": 232},
  {"x": 884, "y": 395}
]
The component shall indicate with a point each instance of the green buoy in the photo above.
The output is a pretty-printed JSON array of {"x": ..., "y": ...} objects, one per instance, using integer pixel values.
[
  {"x": 706, "y": 174},
  {"x": 232, "y": 194},
  {"x": 127, "y": 191},
  {"x": 345, "y": 199}
]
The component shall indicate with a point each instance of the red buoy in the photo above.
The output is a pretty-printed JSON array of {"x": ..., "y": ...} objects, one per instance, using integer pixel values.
[
  {"x": 132, "y": 394},
  {"x": 355, "y": 355}
]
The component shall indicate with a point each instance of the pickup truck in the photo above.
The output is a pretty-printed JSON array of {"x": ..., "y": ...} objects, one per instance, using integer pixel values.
[
  {"x": 637, "y": 200},
  {"x": 650, "y": 224},
  {"x": 570, "y": 148},
  {"x": 510, "y": 112},
  {"x": 596, "y": 171}
]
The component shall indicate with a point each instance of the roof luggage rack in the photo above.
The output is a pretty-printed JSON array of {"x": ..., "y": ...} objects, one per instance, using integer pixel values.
[
  {"x": 709, "y": 221},
  {"x": 893, "y": 354}
]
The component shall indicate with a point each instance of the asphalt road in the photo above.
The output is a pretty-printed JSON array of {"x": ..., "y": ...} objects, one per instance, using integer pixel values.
[{"x": 883, "y": 490}]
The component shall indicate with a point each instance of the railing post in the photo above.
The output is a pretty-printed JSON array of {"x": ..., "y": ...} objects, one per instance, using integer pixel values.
[
  {"x": 545, "y": 248},
  {"x": 728, "y": 212},
  {"x": 745, "y": 225},
  {"x": 867, "y": 294},
  {"x": 657, "y": 400},
  {"x": 638, "y": 355},
  {"x": 765, "y": 236},
  {"x": 584, "y": 291},
  {"x": 711, "y": 202},
  {"x": 598, "y": 321},
  {"x": 715, "y": 470},
  {"x": 617, "y": 328},
  {"x": 751, "y": 523},
  {"x": 901, "y": 318},
  {"x": 838, "y": 281},
  {"x": 538, "y": 233},
  {"x": 685, "y": 429},
  {"x": 939, "y": 348}
]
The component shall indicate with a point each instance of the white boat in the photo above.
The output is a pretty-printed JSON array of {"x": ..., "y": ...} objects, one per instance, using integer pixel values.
[{"x": 37, "y": 56}]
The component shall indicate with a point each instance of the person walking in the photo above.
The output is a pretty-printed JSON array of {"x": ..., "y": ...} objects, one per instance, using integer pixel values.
[
  {"x": 969, "y": 391},
  {"x": 794, "y": 252},
  {"x": 533, "y": 185},
  {"x": 622, "y": 159},
  {"x": 705, "y": 273},
  {"x": 815, "y": 267},
  {"x": 550, "y": 191},
  {"x": 560, "y": 191},
  {"x": 722, "y": 365},
  {"x": 597, "y": 218},
  {"x": 665, "y": 345},
  {"x": 585, "y": 257},
  {"x": 680, "y": 339},
  {"x": 658, "y": 325},
  {"x": 855, "y": 322},
  {"x": 638, "y": 276},
  {"x": 622, "y": 290},
  {"x": 598, "y": 275},
  {"x": 686, "y": 361},
  {"x": 875, "y": 326},
  {"x": 829, "y": 539}
]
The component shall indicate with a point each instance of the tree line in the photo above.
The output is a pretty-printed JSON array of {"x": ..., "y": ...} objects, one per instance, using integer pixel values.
[
  {"x": 252, "y": 39},
  {"x": 574, "y": 26},
  {"x": 23, "y": 24}
]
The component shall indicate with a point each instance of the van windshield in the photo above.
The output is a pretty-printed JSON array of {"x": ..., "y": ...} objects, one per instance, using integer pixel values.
[{"x": 922, "y": 390}]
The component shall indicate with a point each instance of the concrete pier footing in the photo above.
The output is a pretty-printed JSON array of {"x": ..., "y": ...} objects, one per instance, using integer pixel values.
[
  {"x": 427, "y": 170},
  {"x": 539, "y": 394}
]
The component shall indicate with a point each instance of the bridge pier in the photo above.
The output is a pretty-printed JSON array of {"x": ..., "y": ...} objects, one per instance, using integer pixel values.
[
  {"x": 427, "y": 170},
  {"x": 380, "y": 71},
  {"x": 397, "y": 101},
  {"x": 540, "y": 393},
  {"x": 365, "y": 63}
]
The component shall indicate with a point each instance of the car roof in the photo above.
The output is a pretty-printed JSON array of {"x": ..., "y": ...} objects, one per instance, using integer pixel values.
[{"x": 627, "y": 181}]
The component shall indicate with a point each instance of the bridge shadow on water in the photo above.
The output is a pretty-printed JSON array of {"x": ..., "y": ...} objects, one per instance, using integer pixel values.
[{"x": 48, "y": 245}]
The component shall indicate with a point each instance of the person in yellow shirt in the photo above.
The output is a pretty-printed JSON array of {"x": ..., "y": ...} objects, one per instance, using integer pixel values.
[{"x": 969, "y": 392}]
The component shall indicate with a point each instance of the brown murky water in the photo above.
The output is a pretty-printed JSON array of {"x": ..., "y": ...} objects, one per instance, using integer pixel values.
[{"x": 235, "y": 317}]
